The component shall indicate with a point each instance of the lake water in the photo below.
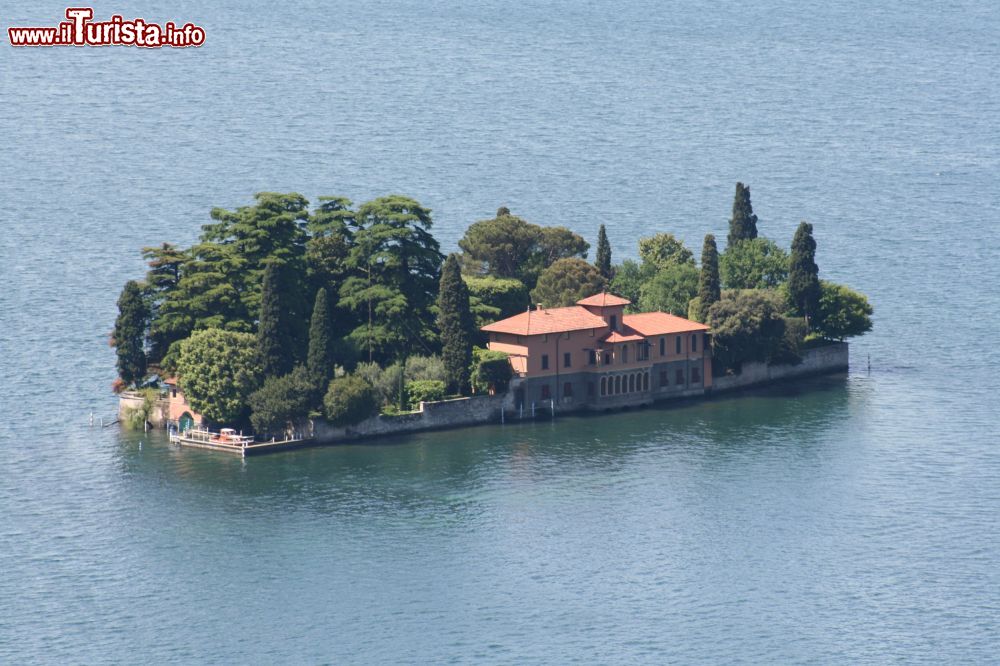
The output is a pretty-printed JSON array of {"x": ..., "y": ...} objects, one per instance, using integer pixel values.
[{"x": 851, "y": 519}]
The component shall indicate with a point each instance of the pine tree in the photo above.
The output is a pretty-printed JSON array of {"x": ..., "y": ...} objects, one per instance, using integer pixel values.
[
  {"x": 129, "y": 333},
  {"x": 709, "y": 291},
  {"x": 743, "y": 224},
  {"x": 319, "y": 361},
  {"x": 603, "y": 259},
  {"x": 803, "y": 273},
  {"x": 457, "y": 325},
  {"x": 273, "y": 339}
]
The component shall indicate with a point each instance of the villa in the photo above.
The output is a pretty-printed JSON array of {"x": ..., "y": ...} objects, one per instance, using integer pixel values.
[{"x": 594, "y": 356}]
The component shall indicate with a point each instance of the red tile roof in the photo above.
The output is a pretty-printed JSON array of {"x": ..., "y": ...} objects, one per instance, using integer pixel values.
[
  {"x": 627, "y": 336},
  {"x": 603, "y": 299},
  {"x": 661, "y": 323},
  {"x": 552, "y": 320}
]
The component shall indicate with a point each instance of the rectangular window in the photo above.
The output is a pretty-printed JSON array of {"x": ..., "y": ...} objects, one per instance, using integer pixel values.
[
  {"x": 545, "y": 392},
  {"x": 694, "y": 342},
  {"x": 607, "y": 358},
  {"x": 695, "y": 376},
  {"x": 680, "y": 378},
  {"x": 591, "y": 332},
  {"x": 545, "y": 361},
  {"x": 624, "y": 353},
  {"x": 591, "y": 357},
  {"x": 614, "y": 322},
  {"x": 642, "y": 351},
  {"x": 663, "y": 346},
  {"x": 567, "y": 360},
  {"x": 678, "y": 344},
  {"x": 663, "y": 378},
  {"x": 567, "y": 390}
]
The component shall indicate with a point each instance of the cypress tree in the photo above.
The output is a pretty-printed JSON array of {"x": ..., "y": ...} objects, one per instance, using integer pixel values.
[
  {"x": 273, "y": 340},
  {"x": 743, "y": 224},
  {"x": 603, "y": 260},
  {"x": 803, "y": 273},
  {"x": 319, "y": 361},
  {"x": 456, "y": 325},
  {"x": 709, "y": 291},
  {"x": 129, "y": 333}
]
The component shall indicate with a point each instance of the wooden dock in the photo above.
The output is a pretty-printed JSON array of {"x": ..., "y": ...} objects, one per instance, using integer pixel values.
[{"x": 230, "y": 442}]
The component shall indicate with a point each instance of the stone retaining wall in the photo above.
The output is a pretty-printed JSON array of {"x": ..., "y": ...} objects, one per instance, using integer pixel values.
[
  {"x": 816, "y": 361},
  {"x": 430, "y": 416}
]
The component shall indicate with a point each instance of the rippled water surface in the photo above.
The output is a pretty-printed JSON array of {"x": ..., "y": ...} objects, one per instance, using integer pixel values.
[{"x": 850, "y": 519}]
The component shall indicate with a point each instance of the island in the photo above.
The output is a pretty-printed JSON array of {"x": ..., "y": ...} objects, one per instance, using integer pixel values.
[{"x": 288, "y": 325}]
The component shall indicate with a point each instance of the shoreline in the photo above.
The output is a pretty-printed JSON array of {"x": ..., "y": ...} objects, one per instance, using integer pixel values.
[{"x": 499, "y": 409}]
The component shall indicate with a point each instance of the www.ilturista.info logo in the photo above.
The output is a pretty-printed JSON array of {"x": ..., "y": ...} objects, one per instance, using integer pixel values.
[{"x": 80, "y": 30}]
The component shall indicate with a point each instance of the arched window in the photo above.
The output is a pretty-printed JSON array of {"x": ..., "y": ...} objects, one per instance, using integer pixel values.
[
  {"x": 604, "y": 385},
  {"x": 618, "y": 384},
  {"x": 645, "y": 382},
  {"x": 631, "y": 383}
]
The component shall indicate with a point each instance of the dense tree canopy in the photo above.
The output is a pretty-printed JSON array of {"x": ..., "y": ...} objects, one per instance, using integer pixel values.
[
  {"x": 565, "y": 282},
  {"x": 349, "y": 400},
  {"x": 396, "y": 267},
  {"x": 510, "y": 247},
  {"x": 130, "y": 334},
  {"x": 456, "y": 325},
  {"x": 280, "y": 401},
  {"x": 746, "y": 326},
  {"x": 664, "y": 250},
  {"x": 218, "y": 372},
  {"x": 670, "y": 290},
  {"x": 493, "y": 298},
  {"x": 743, "y": 223},
  {"x": 630, "y": 276},
  {"x": 803, "y": 273},
  {"x": 166, "y": 264},
  {"x": 842, "y": 313},
  {"x": 753, "y": 264}
]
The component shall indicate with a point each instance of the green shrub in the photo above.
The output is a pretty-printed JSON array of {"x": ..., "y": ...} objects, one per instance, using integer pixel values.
[
  {"x": 349, "y": 400},
  {"x": 281, "y": 400},
  {"x": 425, "y": 390},
  {"x": 490, "y": 370}
]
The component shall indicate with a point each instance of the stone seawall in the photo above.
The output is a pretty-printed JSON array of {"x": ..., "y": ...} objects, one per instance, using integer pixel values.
[
  {"x": 430, "y": 416},
  {"x": 130, "y": 401},
  {"x": 827, "y": 359}
]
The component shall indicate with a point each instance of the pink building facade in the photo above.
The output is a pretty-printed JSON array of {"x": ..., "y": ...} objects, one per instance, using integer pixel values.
[{"x": 593, "y": 355}]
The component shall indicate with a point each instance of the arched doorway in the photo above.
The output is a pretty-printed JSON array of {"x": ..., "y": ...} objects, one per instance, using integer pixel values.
[{"x": 185, "y": 422}]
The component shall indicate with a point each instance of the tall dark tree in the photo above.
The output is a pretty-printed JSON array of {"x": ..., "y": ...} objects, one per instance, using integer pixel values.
[
  {"x": 803, "y": 273},
  {"x": 395, "y": 264},
  {"x": 456, "y": 324},
  {"x": 130, "y": 333},
  {"x": 166, "y": 265},
  {"x": 709, "y": 290},
  {"x": 743, "y": 224},
  {"x": 274, "y": 342},
  {"x": 319, "y": 361},
  {"x": 603, "y": 260}
]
